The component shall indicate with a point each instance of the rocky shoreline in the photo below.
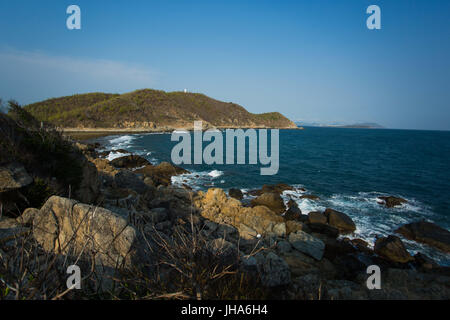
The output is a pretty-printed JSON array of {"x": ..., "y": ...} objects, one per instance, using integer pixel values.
[{"x": 129, "y": 212}]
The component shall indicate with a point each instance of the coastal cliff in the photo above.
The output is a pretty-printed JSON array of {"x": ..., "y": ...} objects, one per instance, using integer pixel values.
[{"x": 149, "y": 110}]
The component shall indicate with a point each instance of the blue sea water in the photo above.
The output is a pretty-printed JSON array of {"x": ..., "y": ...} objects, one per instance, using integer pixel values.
[{"x": 347, "y": 168}]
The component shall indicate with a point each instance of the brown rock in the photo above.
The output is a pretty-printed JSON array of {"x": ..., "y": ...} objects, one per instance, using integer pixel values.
[
  {"x": 393, "y": 249},
  {"x": 276, "y": 188},
  {"x": 129, "y": 162},
  {"x": 294, "y": 212},
  {"x": 162, "y": 173},
  {"x": 292, "y": 226},
  {"x": 391, "y": 202},
  {"x": 427, "y": 232},
  {"x": 273, "y": 201},
  {"x": 236, "y": 193},
  {"x": 214, "y": 205},
  {"x": 309, "y": 196},
  {"x": 340, "y": 220},
  {"x": 317, "y": 217},
  {"x": 325, "y": 229}
]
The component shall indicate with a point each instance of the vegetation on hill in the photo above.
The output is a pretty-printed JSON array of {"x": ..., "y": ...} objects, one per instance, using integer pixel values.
[
  {"x": 149, "y": 109},
  {"x": 52, "y": 161}
]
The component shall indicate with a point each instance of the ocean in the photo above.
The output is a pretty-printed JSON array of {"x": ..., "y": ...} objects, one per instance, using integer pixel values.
[{"x": 347, "y": 168}]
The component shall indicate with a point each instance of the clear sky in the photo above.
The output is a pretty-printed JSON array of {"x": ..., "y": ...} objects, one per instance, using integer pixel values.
[{"x": 310, "y": 60}]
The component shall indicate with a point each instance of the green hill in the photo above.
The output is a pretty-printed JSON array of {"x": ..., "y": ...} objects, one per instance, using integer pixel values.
[{"x": 149, "y": 109}]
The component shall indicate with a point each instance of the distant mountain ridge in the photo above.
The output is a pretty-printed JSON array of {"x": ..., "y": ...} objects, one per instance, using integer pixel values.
[
  {"x": 150, "y": 109},
  {"x": 364, "y": 125}
]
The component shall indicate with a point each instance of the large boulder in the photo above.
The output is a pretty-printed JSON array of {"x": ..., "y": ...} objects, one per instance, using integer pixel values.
[
  {"x": 340, "y": 220},
  {"x": 271, "y": 200},
  {"x": 307, "y": 244},
  {"x": 129, "y": 162},
  {"x": 391, "y": 201},
  {"x": 68, "y": 227},
  {"x": 13, "y": 176},
  {"x": 393, "y": 249},
  {"x": 427, "y": 232}
]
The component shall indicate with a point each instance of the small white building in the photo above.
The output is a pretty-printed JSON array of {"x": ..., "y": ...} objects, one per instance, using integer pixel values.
[{"x": 185, "y": 90}]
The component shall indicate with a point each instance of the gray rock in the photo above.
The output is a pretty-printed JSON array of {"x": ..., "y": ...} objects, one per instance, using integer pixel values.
[
  {"x": 284, "y": 246},
  {"x": 308, "y": 244},
  {"x": 274, "y": 271},
  {"x": 249, "y": 263},
  {"x": 128, "y": 180},
  {"x": 157, "y": 215},
  {"x": 222, "y": 248},
  {"x": 225, "y": 230}
]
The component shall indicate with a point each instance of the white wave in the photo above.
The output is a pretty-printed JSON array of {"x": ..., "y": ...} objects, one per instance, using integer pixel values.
[
  {"x": 122, "y": 141},
  {"x": 215, "y": 173},
  {"x": 113, "y": 155}
]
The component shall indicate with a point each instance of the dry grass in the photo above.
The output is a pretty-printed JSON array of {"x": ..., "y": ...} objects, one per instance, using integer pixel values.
[{"x": 181, "y": 266}]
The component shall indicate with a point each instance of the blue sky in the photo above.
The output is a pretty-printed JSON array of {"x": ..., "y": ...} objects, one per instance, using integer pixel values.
[{"x": 310, "y": 60}]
